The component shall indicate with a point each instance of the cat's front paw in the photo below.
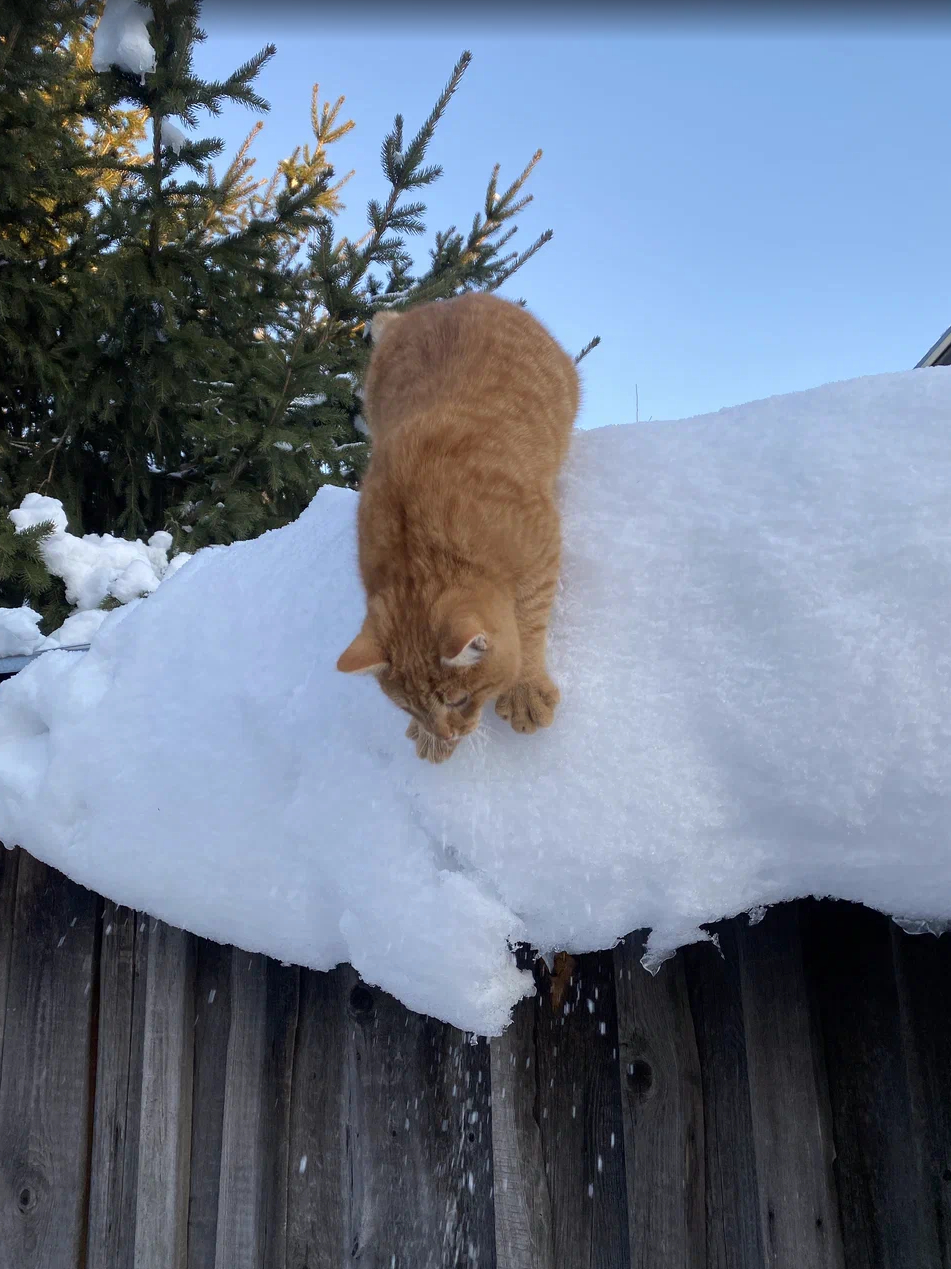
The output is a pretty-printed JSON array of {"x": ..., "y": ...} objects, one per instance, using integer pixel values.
[
  {"x": 429, "y": 747},
  {"x": 529, "y": 705}
]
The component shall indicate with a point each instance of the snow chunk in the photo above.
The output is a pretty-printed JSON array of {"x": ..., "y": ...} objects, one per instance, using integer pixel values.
[
  {"x": 19, "y": 632},
  {"x": 137, "y": 578},
  {"x": 36, "y": 509},
  {"x": 96, "y": 566},
  {"x": 753, "y": 644},
  {"x": 173, "y": 137},
  {"x": 122, "y": 38}
]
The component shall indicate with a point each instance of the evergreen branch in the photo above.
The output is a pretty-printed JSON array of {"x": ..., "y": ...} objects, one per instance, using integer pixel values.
[
  {"x": 416, "y": 150},
  {"x": 592, "y": 343},
  {"x": 505, "y": 274}
]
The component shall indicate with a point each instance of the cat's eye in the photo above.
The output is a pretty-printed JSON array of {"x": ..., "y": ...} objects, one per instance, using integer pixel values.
[{"x": 462, "y": 701}]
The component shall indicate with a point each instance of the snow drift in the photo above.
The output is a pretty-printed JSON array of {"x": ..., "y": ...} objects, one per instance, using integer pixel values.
[{"x": 753, "y": 643}]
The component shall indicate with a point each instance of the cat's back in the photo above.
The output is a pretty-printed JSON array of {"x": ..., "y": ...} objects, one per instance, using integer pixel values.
[{"x": 474, "y": 361}]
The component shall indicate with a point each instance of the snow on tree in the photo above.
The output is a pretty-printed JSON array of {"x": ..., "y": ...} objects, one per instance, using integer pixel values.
[
  {"x": 181, "y": 345},
  {"x": 122, "y": 38}
]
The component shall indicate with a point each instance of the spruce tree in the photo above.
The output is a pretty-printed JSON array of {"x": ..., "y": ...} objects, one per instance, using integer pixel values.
[{"x": 183, "y": 350}]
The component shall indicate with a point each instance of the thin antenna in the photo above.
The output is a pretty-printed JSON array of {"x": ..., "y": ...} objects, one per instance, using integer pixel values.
[{"x": 637, "y": 406}]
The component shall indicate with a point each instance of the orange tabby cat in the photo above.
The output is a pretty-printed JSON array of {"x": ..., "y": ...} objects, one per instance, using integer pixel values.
[{"x": 470, "y": 405}]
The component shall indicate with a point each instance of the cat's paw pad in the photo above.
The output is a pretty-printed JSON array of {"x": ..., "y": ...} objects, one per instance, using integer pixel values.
[
  {"x": 528, "y": 706},
  {"x": 428, "y": 747}
]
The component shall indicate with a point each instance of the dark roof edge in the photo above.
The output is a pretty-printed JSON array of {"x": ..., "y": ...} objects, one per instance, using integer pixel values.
[
  {"x": 13, "y": 664},
  {"x": 934, "y": 355}
]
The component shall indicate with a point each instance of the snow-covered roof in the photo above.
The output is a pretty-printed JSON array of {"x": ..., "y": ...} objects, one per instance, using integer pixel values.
[{"x": 752, "y": 638}]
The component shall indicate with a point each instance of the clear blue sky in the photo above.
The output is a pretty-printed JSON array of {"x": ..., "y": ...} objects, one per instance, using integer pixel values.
[{"x": 738, "y": 212}]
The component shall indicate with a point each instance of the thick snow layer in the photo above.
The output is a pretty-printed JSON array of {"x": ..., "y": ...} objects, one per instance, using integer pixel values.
[
  {"x": 753, "y": 641},
  {"x": 94, "y": 567},
  {"x": 122, "y": 38}
]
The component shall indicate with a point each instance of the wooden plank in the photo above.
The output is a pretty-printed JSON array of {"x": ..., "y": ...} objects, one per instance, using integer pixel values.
[
  {"x": 419, "y": 1142},
  {"x": 240, "y": 1231},
  {"x": 255, "y": 1143},
  {"x": 161, "y": 1214},
  {"x": 887, "y": 1220},
  {"x": 792, "y": 1121},
  {"x": 663, "y": 1113},
  {"x": 283, "y": 1014},
  {"x": 9, "y": 862},
  {"x": 318, "y": 1189},
  {"x": 391, "y": 1152},
  {"x": 734, "y": 1236},
  {"x": 212, "y": 1027},
  {"x": 923, "y": 965},
  {"x": 115, "y": 1147},
  {"x": 581, "y": 1119},
  {"x": 45, "y": 1078},
  {"x": 523, "y": 1217}
]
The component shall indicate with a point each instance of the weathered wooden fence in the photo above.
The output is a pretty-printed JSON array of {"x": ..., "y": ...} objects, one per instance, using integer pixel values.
[{"x": 166, "y": 1102}]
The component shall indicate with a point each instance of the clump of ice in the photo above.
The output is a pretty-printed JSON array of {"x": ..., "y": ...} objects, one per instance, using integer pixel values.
[
  {"x": 122, "y": 38},
  {"x": 753, "y": 642},
  {"x": 19, "y": 631},
  {"x": 94, "y": 568},
  {"x": 172, "y": 136},
  {"x": 38, "y": 509}
]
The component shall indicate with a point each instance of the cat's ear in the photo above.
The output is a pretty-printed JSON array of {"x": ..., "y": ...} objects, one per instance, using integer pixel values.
[
  {"x": 379, "y": 323},
  {"x": 465, "y": 645},
  {"x": 364, "y": 656}
]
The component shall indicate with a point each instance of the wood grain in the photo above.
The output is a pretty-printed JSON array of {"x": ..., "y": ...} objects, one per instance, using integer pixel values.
[
  {"x": 734, "y": 1233},
  {"x": 166, "y": 1103},
  {"x": 161, "y": 1214},
  {"x": 283, "y": 1015},
  {"x": 46, "y": 1072},
  {"x": 117, "y": 1112},
  {"x": 663, "y": 1113},
  {"x": 923, "y": 965},
  {"x": 523, "y": 1215},
  {"x": 9, "y": 863},
  {"x": 240, "y": 1228},
  {"x": 253, "y": 1172},
  {"x": 791, "y": 1118},
  {"x": 212, "y": 1028},
  {"x": 419, "y": 1155},
  {"x": 581, "y": 1120},
  {"x": 887, "y": 1216},
  {"x": 318, "y": 1183}
]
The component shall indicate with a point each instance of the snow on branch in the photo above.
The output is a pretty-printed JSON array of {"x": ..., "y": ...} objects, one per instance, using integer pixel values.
[{"x": 122, "y": 38}]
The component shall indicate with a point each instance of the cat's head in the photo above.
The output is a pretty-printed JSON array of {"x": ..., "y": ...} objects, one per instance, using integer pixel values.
[{"x": 440, "y": 666}]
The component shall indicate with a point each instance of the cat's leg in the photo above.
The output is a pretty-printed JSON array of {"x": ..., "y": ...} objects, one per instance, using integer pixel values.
[{"x": 532, "y": 701}]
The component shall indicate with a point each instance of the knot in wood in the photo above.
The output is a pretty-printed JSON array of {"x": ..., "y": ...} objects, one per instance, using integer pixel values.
[
  {"x": 26, "y": 1199},
  {"x": 640, "y": 1079},
  {"x": 361, "y": 1002}
]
